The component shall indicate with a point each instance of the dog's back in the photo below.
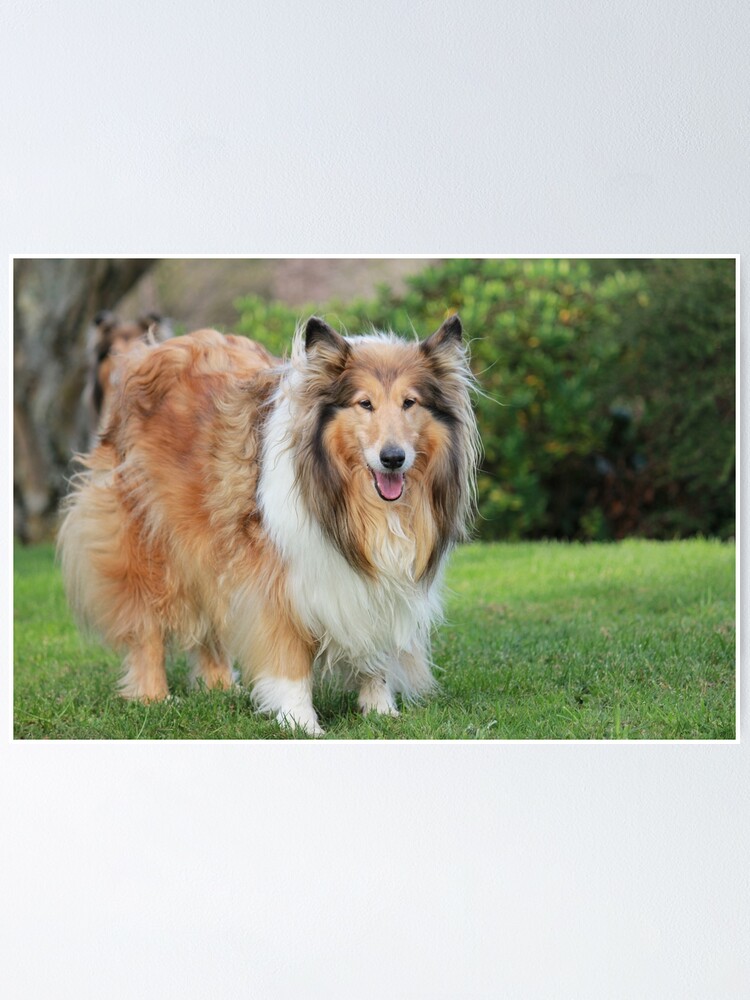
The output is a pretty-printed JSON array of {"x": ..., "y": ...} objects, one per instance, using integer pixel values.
[
  {"x": 139, "y": 542},
  {"x": 165, "y": 399}
]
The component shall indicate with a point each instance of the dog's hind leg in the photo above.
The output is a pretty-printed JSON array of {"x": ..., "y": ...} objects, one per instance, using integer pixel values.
[
  {"x": 145, "y": 677},
  {"x": 414, "y": 679},
  {"x": 212, "y": 666}
]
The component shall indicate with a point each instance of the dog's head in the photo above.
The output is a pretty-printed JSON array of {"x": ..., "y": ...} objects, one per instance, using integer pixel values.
[
  {"x": 110, "y": 336},
  {"x": 388, "y": 422}
]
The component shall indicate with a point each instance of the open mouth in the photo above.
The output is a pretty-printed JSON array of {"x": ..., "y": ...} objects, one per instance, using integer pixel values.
[{"x": 390, "y": 485}]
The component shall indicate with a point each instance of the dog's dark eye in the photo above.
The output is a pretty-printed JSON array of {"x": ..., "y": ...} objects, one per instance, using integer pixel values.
[
  {"x": 408, "y": 403},
  {"x": 365, "y": 404}
]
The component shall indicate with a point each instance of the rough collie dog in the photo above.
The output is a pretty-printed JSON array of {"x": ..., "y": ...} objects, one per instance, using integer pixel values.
[
  {"x": 110, "y": 336},
  {"x": 280, "y": 515}
]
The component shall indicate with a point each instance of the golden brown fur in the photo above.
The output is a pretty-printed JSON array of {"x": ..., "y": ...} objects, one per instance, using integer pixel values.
[{"x": 157, "y": 518}]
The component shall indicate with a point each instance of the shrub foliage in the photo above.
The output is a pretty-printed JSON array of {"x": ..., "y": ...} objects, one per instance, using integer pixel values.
[{"x": 607, "y": 388}]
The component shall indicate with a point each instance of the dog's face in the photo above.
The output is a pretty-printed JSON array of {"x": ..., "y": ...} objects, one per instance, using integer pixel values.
[
  {"x": 110, "y": 334},
  {"x": 387, "y": 407},
  {"x": 387, "y": 424},
  {"x": 384, "y": 419}
]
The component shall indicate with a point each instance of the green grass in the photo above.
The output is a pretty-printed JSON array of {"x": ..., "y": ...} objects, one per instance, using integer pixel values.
[{"x": 543, "y": 641}]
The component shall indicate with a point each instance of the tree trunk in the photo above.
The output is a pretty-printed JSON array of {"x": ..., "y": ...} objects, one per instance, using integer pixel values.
[{"x": 53, "y": 303}]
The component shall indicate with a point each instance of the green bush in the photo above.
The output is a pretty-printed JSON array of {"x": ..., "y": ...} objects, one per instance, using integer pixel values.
[
  {"x": 607, "y": 394},
  {"x": 676, "y": 378}
]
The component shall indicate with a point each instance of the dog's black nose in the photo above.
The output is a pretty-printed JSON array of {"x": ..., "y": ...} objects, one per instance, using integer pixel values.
[{"x": 392, "y": 456}]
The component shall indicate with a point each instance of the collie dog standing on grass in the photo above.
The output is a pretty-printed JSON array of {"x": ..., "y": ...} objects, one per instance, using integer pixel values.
[{"x": 286, "y": 516}]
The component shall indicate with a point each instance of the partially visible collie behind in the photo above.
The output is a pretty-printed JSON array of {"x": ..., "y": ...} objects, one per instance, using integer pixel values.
[
  {"x": 286, "y": 516},
  {"x": 108, "y": 337}
]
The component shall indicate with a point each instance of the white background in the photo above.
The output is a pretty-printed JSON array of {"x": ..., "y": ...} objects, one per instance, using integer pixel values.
[{"x": 339, "y": 870}]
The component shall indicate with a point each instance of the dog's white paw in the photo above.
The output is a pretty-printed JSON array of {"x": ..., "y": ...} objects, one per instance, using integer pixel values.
[
  {"x": 376, "y": 696},
  {"x": 306, "y": 721},
  {"x": 290, "y": 701}
]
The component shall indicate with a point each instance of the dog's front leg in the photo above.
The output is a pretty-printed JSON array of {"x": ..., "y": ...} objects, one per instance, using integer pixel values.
[
  {"x": 277, "y": 662},
  {"x": 375, "y": 695}
]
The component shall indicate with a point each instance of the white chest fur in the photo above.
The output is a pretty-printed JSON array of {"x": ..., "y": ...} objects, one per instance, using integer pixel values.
[{"x": 359, "y": 621}]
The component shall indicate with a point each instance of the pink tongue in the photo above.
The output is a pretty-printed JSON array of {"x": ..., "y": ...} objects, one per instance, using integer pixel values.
[{"x": 390, "y": 484}]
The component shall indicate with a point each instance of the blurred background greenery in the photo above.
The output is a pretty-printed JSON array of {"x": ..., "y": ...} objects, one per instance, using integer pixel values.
[
  {"x": 607, "y": 402},
  {"x": 607, "y": 386}
]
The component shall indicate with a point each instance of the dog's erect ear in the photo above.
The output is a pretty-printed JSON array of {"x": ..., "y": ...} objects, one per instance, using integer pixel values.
[
  {"x": 323, "y": 341},
  {"x": 149, "y": 320},
  {"x": 317, "y": 331},
  {"x": 448, "y": 336},
  {"x": 105, "y": 319}
]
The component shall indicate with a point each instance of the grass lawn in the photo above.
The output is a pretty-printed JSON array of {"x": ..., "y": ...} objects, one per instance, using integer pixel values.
[{"x": 543, "y": 641}]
